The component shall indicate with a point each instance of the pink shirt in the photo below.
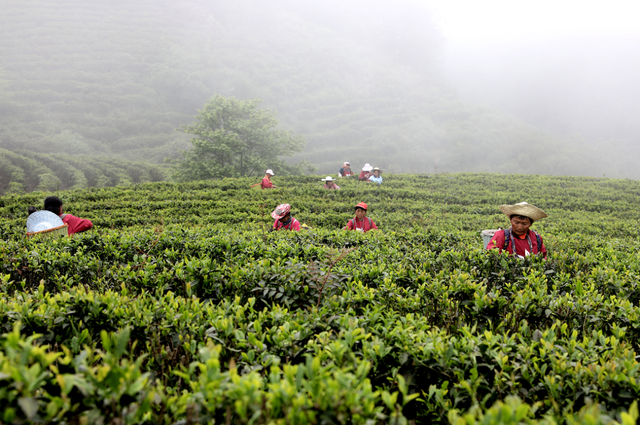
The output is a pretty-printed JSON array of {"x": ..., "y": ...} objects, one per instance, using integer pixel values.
[
  {"x": 266, "y": 183},
  {"x": 363, "y": 225},
  {"x": 364, "y": 175},
  {"x": 293, "y": 225}
]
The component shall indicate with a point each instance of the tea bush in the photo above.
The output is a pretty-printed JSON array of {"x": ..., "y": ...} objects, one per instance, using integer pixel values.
[{"x": 181, "y": 306}]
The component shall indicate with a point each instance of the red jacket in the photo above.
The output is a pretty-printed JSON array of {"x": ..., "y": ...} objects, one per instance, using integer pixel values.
[
  {"x": 363, "y": 225},
  {"x": 266, "y": 183},
  {"x": 522, "y": 245},
  {"x": 76, "y": 224}
]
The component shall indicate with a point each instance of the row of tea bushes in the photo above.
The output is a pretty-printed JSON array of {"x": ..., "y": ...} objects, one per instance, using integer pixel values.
[
  {"x": 436, "y": 275},
  {"x": 557, "y": 367},
  {"x": 41, "y": 385},
  {"x": 107, "y": 386},
  {"x": 458, "y": 202}
]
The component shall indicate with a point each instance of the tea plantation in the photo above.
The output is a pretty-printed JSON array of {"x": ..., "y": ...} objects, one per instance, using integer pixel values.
[{"x": 179, "y": 307}]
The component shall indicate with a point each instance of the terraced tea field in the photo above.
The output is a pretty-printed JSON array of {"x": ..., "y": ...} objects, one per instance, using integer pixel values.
[{"x": 180, "y": 307}]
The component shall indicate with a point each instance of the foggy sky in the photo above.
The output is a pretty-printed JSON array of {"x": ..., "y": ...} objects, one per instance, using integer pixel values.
[
  {"x": 570, "y": 67},
  {"x": 362, "y": 80}
]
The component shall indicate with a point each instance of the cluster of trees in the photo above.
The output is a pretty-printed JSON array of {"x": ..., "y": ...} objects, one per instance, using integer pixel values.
[{"x": 233, "y": 138}]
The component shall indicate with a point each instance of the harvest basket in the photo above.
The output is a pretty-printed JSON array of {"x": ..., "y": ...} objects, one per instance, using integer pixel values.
[
  {"x": 487, "y": 235},
  {"x": 56, "y": 232}
]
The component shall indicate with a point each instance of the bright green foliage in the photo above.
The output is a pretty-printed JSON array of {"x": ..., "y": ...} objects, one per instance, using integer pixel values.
[
  {"x": 203, "y": 315},
  {"x": 42, "y": 385},
  {"x": 233, "y": 138},
  {"x": 513, "y": 412}
]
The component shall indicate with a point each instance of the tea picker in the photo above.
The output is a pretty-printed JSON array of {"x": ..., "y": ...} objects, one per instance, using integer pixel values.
[
  {"x": 330, "y": 183},
  {"x": 76, "y": 224},
  {"x": 518, "y": 238},
  {"x": 284, "y": 221},
  {"x": 361, "y": 223},
  {"x": 376, "y": 177},
  {"x": 266, "y": 180}
]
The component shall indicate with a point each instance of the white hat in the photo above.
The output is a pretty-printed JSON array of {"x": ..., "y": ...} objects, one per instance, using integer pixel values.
[
  {"x": 523, "y": 209},
  {"x": 367, "y": 167},
  {"x": 328, "y": 179},
  {"x": 347, "y": 163},
  {"x": 43, "y": 220},
  {"x": 269, "y": 171}
]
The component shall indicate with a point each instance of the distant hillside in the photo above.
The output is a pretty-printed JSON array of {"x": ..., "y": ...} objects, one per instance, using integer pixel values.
[
  {"x": 25, "y": 171},
  {"x": 360, "y": 80}
]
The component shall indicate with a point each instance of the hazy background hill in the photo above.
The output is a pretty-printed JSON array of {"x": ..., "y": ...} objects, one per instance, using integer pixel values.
[{"x": 362, "y": 80}]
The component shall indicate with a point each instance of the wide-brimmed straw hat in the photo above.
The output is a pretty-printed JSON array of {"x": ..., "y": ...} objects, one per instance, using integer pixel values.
[
  {"x": 280, "y": 211},
  {"x": 269, "y": 171},
  {"x": 367, "y": 167},
  {"x": 524, "y": 209},
  {"x": 43, "y": 220},
  {"x": 376, "y": 169},
  {"x": 328, "y": 179},
  {"x": 361, "y": 205}
]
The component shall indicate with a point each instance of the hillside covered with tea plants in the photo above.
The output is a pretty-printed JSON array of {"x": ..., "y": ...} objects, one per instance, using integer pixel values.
[{"x": 180, "y": 307}]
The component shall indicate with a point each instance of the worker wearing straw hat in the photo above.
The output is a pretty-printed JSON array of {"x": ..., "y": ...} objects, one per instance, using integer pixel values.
[
  {"x": 266, "y": 181},
  {"x": 284, "y": 221},
  {"x": 76, "y": 224},
  {"x": 330, "y": 183},
  {"x": 519, "y": 237},
  {"x": 376, "y": 177},
  {"x": 361, "y": 223}
]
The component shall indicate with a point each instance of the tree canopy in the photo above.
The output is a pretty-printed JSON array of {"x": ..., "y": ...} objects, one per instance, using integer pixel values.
[{"x": 234, "y": 138}]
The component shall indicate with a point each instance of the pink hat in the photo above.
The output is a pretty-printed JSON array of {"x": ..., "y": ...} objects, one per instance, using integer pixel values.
[{"x": 280, "y": 211}]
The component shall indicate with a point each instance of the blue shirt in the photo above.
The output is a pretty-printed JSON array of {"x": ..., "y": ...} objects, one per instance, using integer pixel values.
[{"x": 376, "y": 179}]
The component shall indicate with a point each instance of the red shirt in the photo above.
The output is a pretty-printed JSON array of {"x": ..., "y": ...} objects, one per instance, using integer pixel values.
[
  {"x": 522, "y": 246},
  {"x": 76, "y": 224},
  {"x": 266, "y": 183},
  {"x": 364, "y": 175},
  {"x": 293, "y": 225},
  {"x": 363, "y": 225}
]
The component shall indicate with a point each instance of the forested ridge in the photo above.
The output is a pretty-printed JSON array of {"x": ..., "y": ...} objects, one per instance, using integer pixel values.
[{"x": 115, "y": 79}]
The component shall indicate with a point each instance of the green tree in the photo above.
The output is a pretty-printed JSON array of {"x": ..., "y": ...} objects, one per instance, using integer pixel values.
[{"x": 233, "y": 138}]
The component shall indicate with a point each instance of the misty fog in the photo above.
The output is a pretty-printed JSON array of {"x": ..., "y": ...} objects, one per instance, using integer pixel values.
[
  {"x": 363, "y": 81},
  {"x": 582, "y": 86}
]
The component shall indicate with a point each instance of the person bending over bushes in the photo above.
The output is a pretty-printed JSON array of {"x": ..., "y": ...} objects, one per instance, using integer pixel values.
[
  {"x": 284, "y": 221},
  {"x": 76, "y": 225}
]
